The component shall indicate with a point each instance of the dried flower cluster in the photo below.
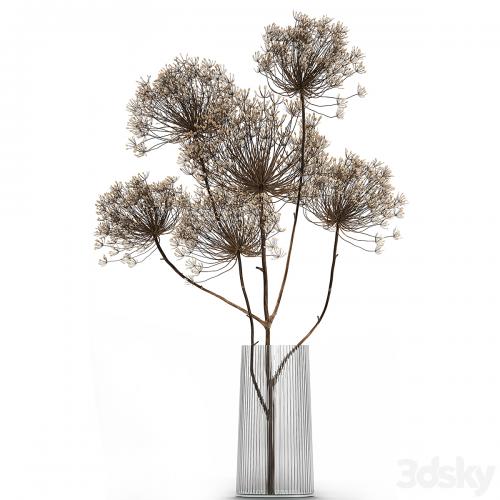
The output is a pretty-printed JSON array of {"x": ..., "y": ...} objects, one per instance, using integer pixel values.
[
  {"x": 214, "y": 239},
  {"x": 251, "y": 154},
  {"x": 258, "y": 151},
  {"x": 309, "y": 58},
  {"x": 255, "y": 152},
  {"x": 132, "y": 214},
  {"x": 353, "y": 195},
  {"x": 189, "y": 99}
]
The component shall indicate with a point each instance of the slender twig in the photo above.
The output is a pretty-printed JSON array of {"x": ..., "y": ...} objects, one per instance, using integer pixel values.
[
  {"x": 197, "y": 285},
  {"x": 328, "y": 295},
  {"x": 209, "y": 192},
  {"x": 252, "y": 338},
  {"x": 225, "y": 270},
  {"x": 297, "y": 206},
  {"x": 320, "y": 317},
  {"x": 265, "y": 276}
]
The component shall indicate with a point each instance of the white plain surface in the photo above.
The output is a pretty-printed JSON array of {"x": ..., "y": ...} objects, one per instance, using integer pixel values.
[{"x": 120, "y": 384}]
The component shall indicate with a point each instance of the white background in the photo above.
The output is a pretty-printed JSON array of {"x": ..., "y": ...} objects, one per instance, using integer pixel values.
[{"x": 122, "y": 384}]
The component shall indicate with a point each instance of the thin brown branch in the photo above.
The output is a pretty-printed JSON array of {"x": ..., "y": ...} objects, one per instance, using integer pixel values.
[
  {"x": 209, "y": 191},
  {"x": 329, "y": 293},
  {"x": 265, "y": 276},
  {"x": 197, "y": 285},
  {"x": 320, "y": 317},
  {"x": 297, "y": 207},
  {"x": 252, "y": 338}
]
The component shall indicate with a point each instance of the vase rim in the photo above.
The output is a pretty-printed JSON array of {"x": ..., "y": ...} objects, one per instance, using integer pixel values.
[{"x": 277, "y": 345}]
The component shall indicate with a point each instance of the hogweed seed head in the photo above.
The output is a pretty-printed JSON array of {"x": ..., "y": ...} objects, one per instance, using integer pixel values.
[
  {"x": 353, "y": 195},
  {"x": 216, "y": 237},
  {"x": 309, "y": 58},
  {"x": 256, "y": 152},
  {"x": 190, "y": 99},
  {"x": 132, "y": 214}
]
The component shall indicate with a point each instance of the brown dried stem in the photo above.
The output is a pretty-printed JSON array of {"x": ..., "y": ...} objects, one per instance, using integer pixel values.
[
  {"x": 201, "y": 287},
  {"x": 297, "y": 206},
  {"x": 320, "y": 317},
  {"x": 252, "y": 338}
]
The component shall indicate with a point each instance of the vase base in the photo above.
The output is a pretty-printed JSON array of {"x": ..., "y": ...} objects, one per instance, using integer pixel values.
[{"x": 277, "y": 495}]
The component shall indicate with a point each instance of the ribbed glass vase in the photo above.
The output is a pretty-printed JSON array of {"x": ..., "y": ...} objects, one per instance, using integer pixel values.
[{"x": 275, "y": 440}]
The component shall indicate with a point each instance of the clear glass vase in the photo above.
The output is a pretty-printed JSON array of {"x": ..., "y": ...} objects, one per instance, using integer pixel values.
[{"x": 275, "y": 439}]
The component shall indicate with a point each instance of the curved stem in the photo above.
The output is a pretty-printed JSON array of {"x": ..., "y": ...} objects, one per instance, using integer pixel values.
[
  {"x": 329, "y": 293},
  {"x": 320, "y": 317},
  {"x": 197, "y": 285},
  {"x": 252, "y": 338},
  {"x": 297, "y": 206}
]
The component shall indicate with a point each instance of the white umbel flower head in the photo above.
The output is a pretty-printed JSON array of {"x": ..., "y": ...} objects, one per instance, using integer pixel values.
[
  {"x": 379, "y": 240},
  {"x": 103, "y": 261},
  {"x": 129, "y": 260},
  {"x": 97, "y": 244},
  {"x": 396, "y": 234},
  {"x": 195, "y": 266},
  {"x": 341, "y": 106},
  {"x": 125, "y": 258},
  {"x": 361, "y": 91},
  {"x": 275, "y": 251}
]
